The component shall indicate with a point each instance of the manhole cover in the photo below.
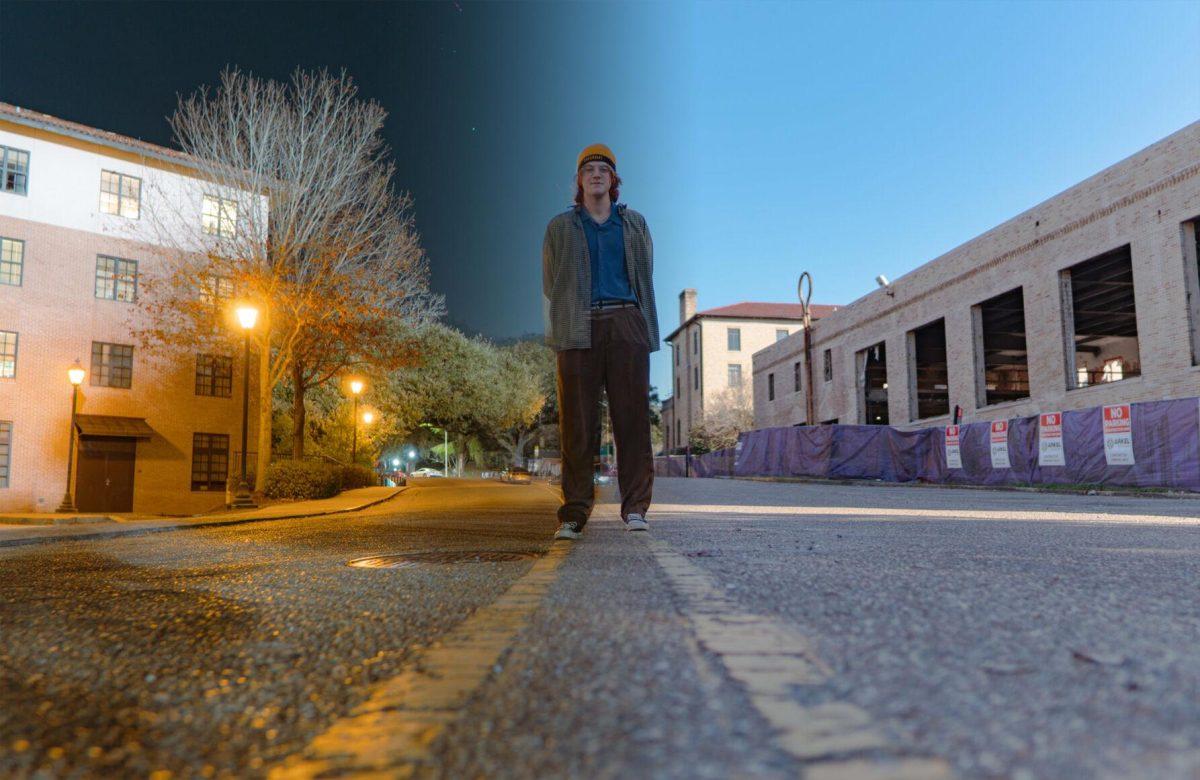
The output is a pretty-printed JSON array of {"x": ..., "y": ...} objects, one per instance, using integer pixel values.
[{"x": 441, "y": 558}]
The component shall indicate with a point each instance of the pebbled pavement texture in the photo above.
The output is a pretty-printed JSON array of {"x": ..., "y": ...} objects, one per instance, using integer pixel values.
[{"x": 1010, "y": 634}]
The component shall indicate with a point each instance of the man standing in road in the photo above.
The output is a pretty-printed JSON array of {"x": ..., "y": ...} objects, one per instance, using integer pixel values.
[{"x": 598, "y": 302}]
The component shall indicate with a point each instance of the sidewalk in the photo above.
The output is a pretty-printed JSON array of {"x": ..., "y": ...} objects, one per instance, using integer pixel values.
[{"x": 15, "y": 530}]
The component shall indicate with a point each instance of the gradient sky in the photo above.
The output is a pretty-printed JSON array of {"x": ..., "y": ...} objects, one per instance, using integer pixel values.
[{"x": 759, "y": 140}]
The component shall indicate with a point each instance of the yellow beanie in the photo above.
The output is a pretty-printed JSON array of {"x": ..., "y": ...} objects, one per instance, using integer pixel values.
[{"x": 597, "y": 152}]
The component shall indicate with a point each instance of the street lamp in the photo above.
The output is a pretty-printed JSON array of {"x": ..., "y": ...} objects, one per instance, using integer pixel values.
[
  {"x": 75, "y": 376},
  {"x": 247, "y": 316},
  {"x": 356, "y": 388}
]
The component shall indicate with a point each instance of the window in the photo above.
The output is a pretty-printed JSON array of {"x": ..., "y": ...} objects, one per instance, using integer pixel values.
[
  {"x": 219, "y": 216},
  {"x": 734, "y": 337},
  {"x": 796, "y": 377},
  {"x": 120, "y": 194},
  {"x": 1191, "y": 272},
  {"x": 1100, "y": 319},
  {"x": 770, "y": 387},
  {"x": 696, "y": 377},
  {"x": 735, "y": 375},
  {"x": 675, "y": 349},
  {"x": 12, "y": 261},
  {"x": 112, "y": 365},
  {"x": 678, "y": 433},
  {"x": 214, "y": 375},
  {"x": 781, "y": 334},
  {"x": 214, "y": 289},
  {"x": 116, "y": 279},
  {"x": 871, "y": 364},
  {"x": 8, "y": 354},
  {"x": 927, "y": 366},
  {"x": 676, "y": 387},
  {"x": 210, "y": 461},
  {"x": 1001, "y": 364},
  {"x": 14, "y": 170},
  {"x": 695, "y": 341},
  {"x": 829, "y": 365},
  {"x": 5, "y": 451}
]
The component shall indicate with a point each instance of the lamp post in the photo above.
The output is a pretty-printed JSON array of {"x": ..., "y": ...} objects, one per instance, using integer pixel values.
[
  {"x": 247, "y": 316},
  {"x": 75, "y": 376},
  {"x": 356, "y": 388},
  {"x": 412, "y": 454}
]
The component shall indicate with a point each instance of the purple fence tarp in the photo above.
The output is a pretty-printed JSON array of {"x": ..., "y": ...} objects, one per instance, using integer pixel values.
[{"x": 1166, "y": 452}]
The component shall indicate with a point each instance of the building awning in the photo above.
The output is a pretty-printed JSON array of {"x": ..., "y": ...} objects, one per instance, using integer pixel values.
[{"x": 108, "y": 425}]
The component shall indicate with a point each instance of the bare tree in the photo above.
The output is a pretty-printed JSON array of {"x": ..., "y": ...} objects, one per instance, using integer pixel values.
[
  {"x": 729, "y": 413},
  {"x": 293, "y": 210}
]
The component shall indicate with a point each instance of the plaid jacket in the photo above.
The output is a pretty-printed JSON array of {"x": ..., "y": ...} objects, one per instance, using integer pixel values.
[{"x": 567, "y": 278}]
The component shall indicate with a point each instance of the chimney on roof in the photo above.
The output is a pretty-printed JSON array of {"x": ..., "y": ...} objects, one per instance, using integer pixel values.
[{"x": 687, "y": 305}]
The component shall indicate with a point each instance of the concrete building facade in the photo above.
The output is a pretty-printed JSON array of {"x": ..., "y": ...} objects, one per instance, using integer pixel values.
[
  {"x": 156, "y": 432},
  {"x": 1090, "y": 298},
  {"x": 710, "y": 356}
]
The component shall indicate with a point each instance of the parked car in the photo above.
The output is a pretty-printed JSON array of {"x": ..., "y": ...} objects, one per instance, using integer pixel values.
[
  {"x": 516, "y": 475},
  {"x": 427, "y": 472}
]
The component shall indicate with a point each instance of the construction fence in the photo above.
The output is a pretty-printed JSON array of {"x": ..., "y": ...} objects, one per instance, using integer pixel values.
[{"x": 1152, "y": 444}]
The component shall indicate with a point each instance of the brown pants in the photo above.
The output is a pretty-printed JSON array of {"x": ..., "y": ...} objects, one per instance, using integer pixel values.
[{"x": 619, "y": 360}]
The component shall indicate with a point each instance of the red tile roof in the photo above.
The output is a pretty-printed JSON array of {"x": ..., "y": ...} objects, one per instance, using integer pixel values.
[
  {"x": 769, "y": 311},
  {"x": 27, "y": 117}
]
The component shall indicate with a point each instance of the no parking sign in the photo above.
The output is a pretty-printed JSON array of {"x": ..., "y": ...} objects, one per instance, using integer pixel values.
[{"x": 1118, "y": 435}]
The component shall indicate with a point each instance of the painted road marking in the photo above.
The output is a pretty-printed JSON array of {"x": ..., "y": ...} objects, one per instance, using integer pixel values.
[
  {"x": 769, "y": 658},
  {"x": 391, "y": 734}
]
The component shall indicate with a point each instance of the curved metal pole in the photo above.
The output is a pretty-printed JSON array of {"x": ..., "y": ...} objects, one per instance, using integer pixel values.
[{"x": 809, "y": 395}]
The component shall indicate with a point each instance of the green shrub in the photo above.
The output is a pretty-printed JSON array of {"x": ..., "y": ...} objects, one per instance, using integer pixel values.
[
  {"x": 355, "y": 476},
  {"x": 302, "y": 479}
]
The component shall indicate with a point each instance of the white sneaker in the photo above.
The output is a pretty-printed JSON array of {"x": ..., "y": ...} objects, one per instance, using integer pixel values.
[
  {"x": 636, "y": 522},
  {"x": 568, "y": 530}
]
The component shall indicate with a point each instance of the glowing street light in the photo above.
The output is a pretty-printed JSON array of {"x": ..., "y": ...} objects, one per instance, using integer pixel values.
[
  {"x": 247, "y": 317},
  {"x": 395, "y": 463},
  {"x": 356, "y": 388},
  {"x": 75, "y": 376}
]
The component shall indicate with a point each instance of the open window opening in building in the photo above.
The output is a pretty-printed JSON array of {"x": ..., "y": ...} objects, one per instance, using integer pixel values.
[
  {"x": 1191, "y": 274},
  {"x": 1001, "y": 355},
  {"x": 796, "y": 377},
  {"x": 873, "y": 384},
  {"x": 930, "y": 378},
  {"x": 1100, "y": 320},
  {"x": 770, "y": 387},
  {"x": 829, "y": 365}
]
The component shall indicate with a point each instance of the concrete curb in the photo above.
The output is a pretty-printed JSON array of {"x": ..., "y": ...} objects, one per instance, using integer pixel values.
[
  {"x": 1181, "y": 495},
  {"x": 184, "y": 525}
]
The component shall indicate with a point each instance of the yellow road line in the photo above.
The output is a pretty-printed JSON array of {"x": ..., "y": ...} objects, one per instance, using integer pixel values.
[
  {"x": 391, "y": 734},
  {"x": 768, "y": 658}
]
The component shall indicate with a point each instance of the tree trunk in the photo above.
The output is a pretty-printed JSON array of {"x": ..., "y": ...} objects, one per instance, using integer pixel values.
[
  {"x": 518, "y": 452},
  {"x": 264, "y": 420},
  {"x": 298, "y": 411}
]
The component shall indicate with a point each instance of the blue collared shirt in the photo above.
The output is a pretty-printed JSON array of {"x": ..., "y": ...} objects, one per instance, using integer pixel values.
[{"x": 606, "y": 250}]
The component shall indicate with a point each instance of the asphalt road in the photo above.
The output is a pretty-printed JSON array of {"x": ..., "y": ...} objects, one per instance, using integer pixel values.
[{"x": 759, "y": 630}]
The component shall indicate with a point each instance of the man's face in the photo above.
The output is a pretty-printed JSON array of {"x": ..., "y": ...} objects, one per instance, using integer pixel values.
[{"x": 596, "y": 178}]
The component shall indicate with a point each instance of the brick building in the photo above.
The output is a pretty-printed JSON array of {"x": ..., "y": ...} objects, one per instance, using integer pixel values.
[
  {"x": 710, "y": 355},
  {"x": 156, "y": 433},
  {"x": 1090, "y": 298}
]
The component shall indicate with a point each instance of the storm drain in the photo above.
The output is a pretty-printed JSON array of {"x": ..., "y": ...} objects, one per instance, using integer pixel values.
[{"x": 441, "y": 558}]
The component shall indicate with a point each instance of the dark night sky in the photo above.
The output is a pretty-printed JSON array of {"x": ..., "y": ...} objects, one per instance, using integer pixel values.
[{"x": 479, "y": 138}]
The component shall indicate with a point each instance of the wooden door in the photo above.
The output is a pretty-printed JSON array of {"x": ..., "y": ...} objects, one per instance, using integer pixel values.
[{"x": 105, "y": 474}]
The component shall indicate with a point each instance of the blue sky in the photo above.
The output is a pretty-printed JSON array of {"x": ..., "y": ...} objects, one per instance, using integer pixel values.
[{"x": 853, "y": 139}]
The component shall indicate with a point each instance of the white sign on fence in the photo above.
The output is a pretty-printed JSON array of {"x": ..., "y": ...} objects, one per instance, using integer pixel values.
[
  {"x": 999, "y": 441},
  {"x": 1050, "y": 440},
  {"x": 1118, "y": 435},
  {"x": 953, "y": 453}
]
